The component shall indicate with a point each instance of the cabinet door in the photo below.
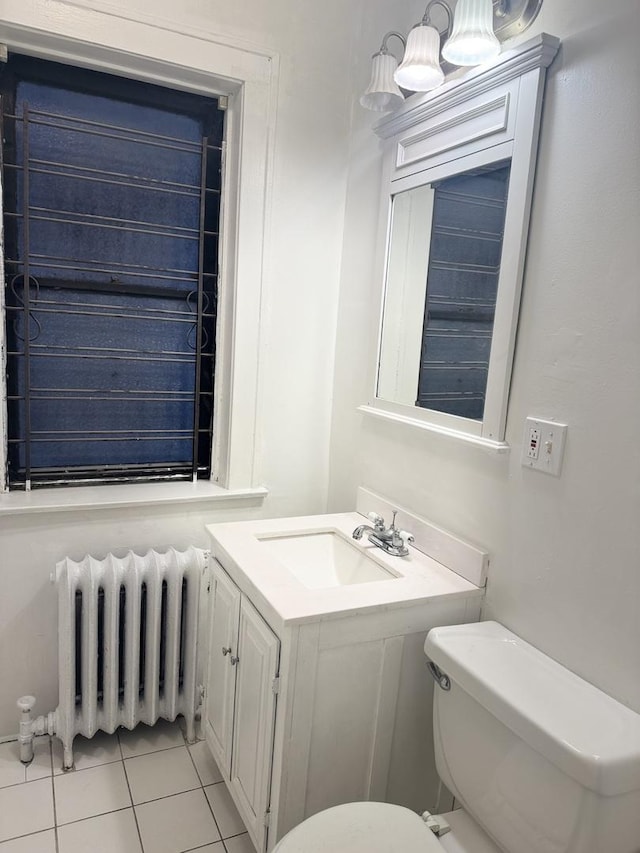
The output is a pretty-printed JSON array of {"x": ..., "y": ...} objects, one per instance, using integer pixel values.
[
  {"x": 222, "y": 673},
  {"x": 259, "y": 651}
]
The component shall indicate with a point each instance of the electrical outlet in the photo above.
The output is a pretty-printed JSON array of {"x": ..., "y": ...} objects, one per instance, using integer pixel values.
[
  {"x": 533, "y": 443},
  {"x": 543, "y": 445}
]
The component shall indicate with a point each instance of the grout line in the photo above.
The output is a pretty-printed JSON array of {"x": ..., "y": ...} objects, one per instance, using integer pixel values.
[
  {"x": 53, "y": 792},
  {"x": 133, "y": 808},
  {"x": 203, "y": 787},
  {"x": 195, "y": 767},
  {"x": 202, "y": 846},
  {"x": 152, "y": 751},
  {"x": 168, "y": 796},
  {"x": 213, "y": 814},
  {"x": 27, "y": 835},
  {"x": 91, "y": 816}
]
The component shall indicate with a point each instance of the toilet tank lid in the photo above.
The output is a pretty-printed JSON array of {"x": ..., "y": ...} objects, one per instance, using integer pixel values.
[{"x": 587, "y": 734}]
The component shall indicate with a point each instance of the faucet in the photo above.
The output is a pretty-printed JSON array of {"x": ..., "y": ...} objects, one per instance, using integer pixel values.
[{"x": 390, "y": 539}]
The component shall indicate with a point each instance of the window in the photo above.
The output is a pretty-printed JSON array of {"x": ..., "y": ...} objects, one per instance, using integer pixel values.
[
  {"x": 462, "y": 284},
  {"x": 111, "y": 195}
]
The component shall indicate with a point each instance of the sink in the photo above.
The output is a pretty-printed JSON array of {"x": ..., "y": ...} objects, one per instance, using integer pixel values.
[{"x": 325, "y": 559}]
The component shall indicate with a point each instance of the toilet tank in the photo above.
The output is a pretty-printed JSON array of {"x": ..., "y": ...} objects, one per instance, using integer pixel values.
[{"x": 544, "y": 761}]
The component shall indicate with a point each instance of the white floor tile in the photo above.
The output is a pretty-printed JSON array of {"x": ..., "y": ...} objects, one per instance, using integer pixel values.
[
  {"x": 88, "y": 752},
  {"x": 240, "y": 844},
  {"x": 110, "y": 833},
  {"x": 205, "y": 763},
  {"x": 218, "y": 847},
  {"x": 25, "y": 809},
  {"x": 177, "y": 823},
  {"x": 161, "y": 774},
  {"x": 42, "y": 842},
  {"x": 40, "y": 767},
  {"x": 87, "y": 793},
  {"x": 144, "y": 739},
  {"x": 224, "y": 810},
  {"x": 11, "y": 768}
]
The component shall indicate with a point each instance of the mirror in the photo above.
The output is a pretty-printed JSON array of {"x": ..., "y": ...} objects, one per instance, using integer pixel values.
[{"x": 443, "y": 267}]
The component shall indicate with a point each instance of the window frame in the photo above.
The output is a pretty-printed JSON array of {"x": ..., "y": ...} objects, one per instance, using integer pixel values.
[
  {"x": 489, "y": 115},
  {"x": 248, "y": 79},
  {"x": 99, "y": 85}
]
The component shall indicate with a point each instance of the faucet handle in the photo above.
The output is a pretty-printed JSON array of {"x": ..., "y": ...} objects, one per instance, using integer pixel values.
[
  {"x": 406, "y": 536},
  {"x": 376, "y": 520}
]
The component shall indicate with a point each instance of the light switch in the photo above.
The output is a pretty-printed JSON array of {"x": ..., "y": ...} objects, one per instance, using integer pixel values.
[{"x": 543, "y": 445}]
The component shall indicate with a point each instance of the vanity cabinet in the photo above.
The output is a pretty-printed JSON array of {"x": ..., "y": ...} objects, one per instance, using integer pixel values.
[
  {"x": 243, "y": 669},
  {"x": 317, "y": 697}
]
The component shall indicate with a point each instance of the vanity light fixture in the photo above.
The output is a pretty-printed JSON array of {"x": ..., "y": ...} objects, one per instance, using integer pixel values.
[
  {"x": 472, "y": 40},
  {"x": 420, "y": 69},
  {"x": 474, "y": 31},
  {"x": 382, "y": 93}
]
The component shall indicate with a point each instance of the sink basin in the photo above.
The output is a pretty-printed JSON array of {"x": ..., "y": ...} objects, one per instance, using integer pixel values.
[{"x": 326, "y": 559}]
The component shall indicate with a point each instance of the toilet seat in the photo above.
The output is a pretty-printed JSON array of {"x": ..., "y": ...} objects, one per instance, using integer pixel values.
[{"x": 361, "y": 828}]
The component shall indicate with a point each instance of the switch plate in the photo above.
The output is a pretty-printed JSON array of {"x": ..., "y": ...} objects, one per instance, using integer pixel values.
[{"x": 543, "y": 445}]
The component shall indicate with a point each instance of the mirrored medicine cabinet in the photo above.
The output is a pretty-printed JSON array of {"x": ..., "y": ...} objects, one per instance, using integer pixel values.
[{"x": 457, "y": 191}]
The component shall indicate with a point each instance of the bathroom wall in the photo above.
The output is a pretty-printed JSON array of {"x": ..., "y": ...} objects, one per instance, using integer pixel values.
[
  {"x": 314, "y": 46},
  {"x": 565, "y": 570}
]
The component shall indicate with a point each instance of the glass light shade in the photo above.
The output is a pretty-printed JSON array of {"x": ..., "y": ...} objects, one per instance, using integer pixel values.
[
  {"x": 420, "y": 69},
  {"x": 382, "y": 93},
  {"x": 472, "y": 39}
]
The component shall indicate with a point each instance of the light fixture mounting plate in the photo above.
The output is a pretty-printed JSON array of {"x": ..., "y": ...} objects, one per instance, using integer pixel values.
[{"x": 512, "y": 17}]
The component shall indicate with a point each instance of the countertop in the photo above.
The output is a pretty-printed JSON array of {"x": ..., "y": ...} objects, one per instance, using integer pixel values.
[{"x": 284, "y": 600}]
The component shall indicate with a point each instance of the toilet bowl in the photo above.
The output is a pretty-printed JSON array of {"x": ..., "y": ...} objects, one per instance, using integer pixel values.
[{"x": 539, "y": 760}]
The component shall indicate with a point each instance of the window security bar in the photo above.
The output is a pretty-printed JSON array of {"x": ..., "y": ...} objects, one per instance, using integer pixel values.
[
  {"x": 125, "y": 134},
  {"x": 114, "y": 274},
  {"x": 143, "y": 183},
  {"x": 64, "y": 216},
  {"x": 455, "y": 365},
  {"x": 466, "y": 233},
  {"x": 185, "y": 296},
  {"x": 467, "y": 198},
  {"x": 458, "y": 266},
  {"x": 114, "y": 311}
]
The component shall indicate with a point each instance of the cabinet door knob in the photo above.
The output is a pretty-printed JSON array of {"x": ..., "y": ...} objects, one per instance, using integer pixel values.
[
  {"x": 226, "y": 651},
  {"x": 234, "y": 661}
]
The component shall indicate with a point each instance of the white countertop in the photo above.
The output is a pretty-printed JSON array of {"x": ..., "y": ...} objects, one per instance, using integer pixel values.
[{"x": 284, "y": 600}]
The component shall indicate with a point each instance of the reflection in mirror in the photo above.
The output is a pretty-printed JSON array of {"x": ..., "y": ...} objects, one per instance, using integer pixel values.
[{"x": 442, "y": 280}]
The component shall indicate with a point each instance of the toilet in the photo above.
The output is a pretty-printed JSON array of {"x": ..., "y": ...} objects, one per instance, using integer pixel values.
[{"x": 539, "y": 761}]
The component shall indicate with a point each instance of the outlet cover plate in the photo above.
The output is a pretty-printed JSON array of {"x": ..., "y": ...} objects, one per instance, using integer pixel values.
[{"x": 549, "y": 438}]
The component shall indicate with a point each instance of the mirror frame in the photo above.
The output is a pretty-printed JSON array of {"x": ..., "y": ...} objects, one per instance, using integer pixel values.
[{"x": 489, "y": 115}]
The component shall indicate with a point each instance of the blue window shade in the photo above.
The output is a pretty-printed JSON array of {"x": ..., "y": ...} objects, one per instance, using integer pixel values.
[
  {"x": 112, "y": 196},
  {"x": 462, "y": 284}
]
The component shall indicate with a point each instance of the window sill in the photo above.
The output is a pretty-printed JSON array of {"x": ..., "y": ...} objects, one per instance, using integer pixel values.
[
  {"x": 122, "y": 496},
  {"x": 394, "y": 417}
]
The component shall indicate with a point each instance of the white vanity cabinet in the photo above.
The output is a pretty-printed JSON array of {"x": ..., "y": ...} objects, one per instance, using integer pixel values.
[
  {"x": 243, "y": 668},
  {"x": 317, "y": 697}
]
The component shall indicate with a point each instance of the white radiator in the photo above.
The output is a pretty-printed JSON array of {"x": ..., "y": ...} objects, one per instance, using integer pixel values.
[{"x": 127, "y": 642}]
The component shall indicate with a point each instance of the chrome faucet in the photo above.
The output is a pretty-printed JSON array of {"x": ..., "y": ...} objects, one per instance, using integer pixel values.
[{"x": 390, "y": 539}]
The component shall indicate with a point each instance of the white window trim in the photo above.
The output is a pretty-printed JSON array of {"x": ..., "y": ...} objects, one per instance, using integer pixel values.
[
  {"x": 248, "y": 76},
  {"x": 512, "y": 88}
]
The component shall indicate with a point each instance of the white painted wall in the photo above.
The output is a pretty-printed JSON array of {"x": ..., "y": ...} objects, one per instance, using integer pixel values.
[
  {"x": 314, "y": 48},
  {"x": 565, "y": 565},
  {"x": 565, "y": 572}
]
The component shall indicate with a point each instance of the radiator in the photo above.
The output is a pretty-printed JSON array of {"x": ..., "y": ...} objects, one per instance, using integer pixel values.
[{"x": 127, "y": 642}]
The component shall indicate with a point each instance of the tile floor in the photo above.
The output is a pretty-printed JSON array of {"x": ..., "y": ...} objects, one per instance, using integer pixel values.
[{"x": 144, "y": 791}]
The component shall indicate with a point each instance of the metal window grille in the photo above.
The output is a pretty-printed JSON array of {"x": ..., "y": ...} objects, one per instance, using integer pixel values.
[{"x": 111, "y": 193}]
